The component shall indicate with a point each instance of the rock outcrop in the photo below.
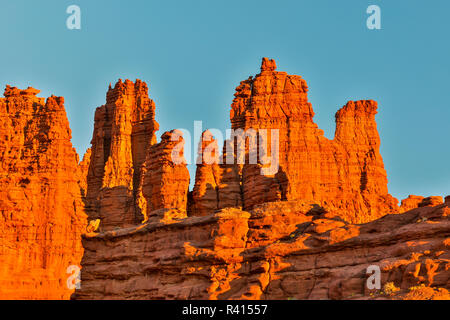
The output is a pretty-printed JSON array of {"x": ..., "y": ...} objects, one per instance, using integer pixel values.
[
  {"x": 205, "y": 195},
  {"x": 123, "y": 131},
  {"x": 42, "y": 215},
  {"x": 165, "y": 177},
  {"x": 431, "y": 201},
  {"x": 413, "y": 202},
  {"x": 217, "y": 184},
  {"x": 279, "y": 250},
  {"x": 282, "y": 213},
  {"x": 279, "y": 214},
  {"x": 272, "y": 110},
  {"x": 83, "y": 167}
]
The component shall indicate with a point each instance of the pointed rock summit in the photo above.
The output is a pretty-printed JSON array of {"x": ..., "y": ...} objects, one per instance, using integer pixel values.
[
  {"x": 268, "y": 65},
  {"x": 345, "y": 175},
  {"x": 42, "y": 214},
  {"x": 124, "y": 130},
  {"x": 15, "y": 92}
]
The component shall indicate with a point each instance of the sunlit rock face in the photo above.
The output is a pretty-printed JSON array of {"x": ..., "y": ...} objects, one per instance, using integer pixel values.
[
  {"x": 42, "y": 215},
  {"x": 346, "y": 173},
  {"x": 305, "y": 227},
  {"x": 217, "y": 184},
  {"x": 293, "y": 233},
  {"x": 165, "y": 180},
  {"x": 278, "y": 250},
  {"x": 124, "y": 129}
]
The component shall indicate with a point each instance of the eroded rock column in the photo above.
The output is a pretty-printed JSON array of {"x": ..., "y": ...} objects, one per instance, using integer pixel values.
[
  {"x": 42, "y": 215},
  {"x": 124, "y": 129}
]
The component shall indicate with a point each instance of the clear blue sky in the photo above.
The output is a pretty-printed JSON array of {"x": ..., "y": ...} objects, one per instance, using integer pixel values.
[{"x": 194, "y": 53}]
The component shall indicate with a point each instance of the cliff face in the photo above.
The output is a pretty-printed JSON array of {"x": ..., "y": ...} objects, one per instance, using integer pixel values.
[
  {"x": 123, "y": 131},
  {"x": 301, "y": 218},
  {"x": 42, "y": 215},
  {"x": 278, "y": 250},
  {"x": 83, "y": 167},
  {"x": 165, "y": 177},
  {"x": 346, "y": 174},
  {"x": 253, "y": 233}
]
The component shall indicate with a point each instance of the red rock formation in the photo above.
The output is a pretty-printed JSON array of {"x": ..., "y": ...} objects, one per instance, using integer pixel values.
[
  {"x": 205, "y": 195},
  {"x": 123, "y": 131},
  {"x": 346, "y": 173},
  {"x": 431, "y": 201},
  {"x": 298, "y": 237},
  {"x": 165, "y": 177},
  {"x": 356, "y": 131},
  {"x": 413, "y": 202},
  {"x": 217, "y": 184},
  {"x": 301, "y": 234},
  {"x": 83, "y": 172},
  {"x": 279, "y": 250},
  {"x": 229, "y": 184},
  {"x": 42, "y": 214},
  {"x": 410, "y": 203}
]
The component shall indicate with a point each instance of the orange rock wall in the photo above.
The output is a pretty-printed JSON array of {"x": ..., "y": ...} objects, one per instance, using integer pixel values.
[
  {"x": 42, "y": 215},
  {"x": 83, "y": 172},
  {"x": 123, "y": 131},
  {"x": 280, "y": 250}
]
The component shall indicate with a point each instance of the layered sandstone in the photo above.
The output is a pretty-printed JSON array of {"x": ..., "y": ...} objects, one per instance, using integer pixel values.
[
  {"x": 217, "y": 184},
  {"x": 42, "y": 215},
  {"x": 307, "y": 230},
  {"x": 299, "y": 163},
  {"x": 298, "y": 219},
  {"x": 165, "y": 178},
  {"x": 413, "y": 202},
  {"x": 124, "y": 129},
  {"x": 83, "y": 167},
  {"x": 431, "y": 201},
  {"x": 346, "y": 173},
  {"x": 278, "y": 250},
  {"x": 205, "y": 195}
]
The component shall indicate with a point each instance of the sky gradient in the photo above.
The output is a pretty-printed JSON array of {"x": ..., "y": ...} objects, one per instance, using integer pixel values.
[{"x": 193, "y": 55}]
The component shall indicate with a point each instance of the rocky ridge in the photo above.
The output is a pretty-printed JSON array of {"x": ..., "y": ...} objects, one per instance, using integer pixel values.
[{"x": 306, "y": 231}]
